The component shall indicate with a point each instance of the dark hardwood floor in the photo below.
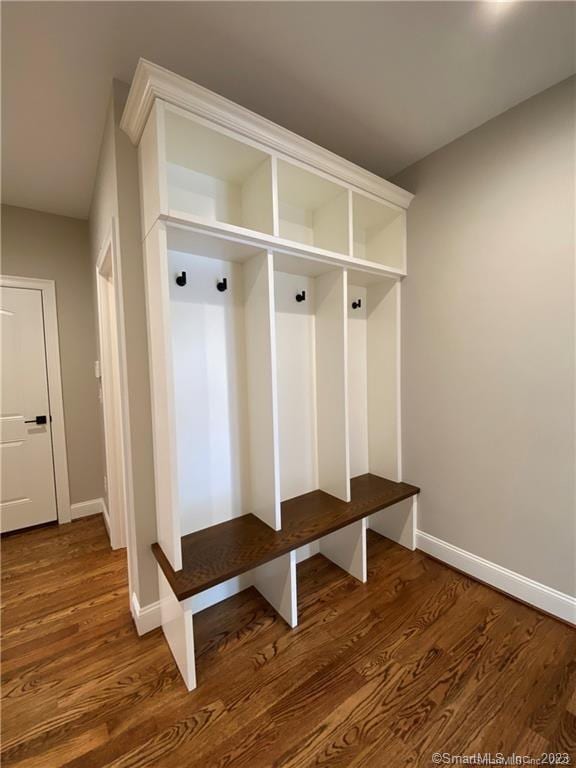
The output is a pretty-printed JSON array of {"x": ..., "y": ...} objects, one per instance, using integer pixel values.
[{"x": 420, "y": 659}]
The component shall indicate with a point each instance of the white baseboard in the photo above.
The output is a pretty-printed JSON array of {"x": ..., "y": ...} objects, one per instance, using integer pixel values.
[
  {"x": 106, "y": 517},
  {"x": 547, "y": 599},
  {"x": 87, "y": 508},
  {"x": 147, "y": 618}
]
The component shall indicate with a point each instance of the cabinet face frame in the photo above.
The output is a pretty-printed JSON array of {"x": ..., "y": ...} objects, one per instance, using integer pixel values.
[
  {"x": 152, "y": 169},
  {"x": 162, "y": 394}
]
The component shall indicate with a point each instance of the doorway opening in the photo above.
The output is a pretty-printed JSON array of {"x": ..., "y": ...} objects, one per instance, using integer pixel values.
[{"x": 111, "y": 396}]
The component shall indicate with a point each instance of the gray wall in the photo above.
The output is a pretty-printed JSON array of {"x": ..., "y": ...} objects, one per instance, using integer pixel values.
[
  {"x": 489, "y": 341},
  {"x": 116, "y": 197},
  {"x": 50, "y": 247}
]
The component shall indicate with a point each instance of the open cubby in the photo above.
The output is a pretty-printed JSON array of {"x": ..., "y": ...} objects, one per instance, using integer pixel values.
[
  {"x": 378, "y": 232},
  {"x": 373, "y": 359},
  {"x": 374, "y": 397},
  {"x": 215, "y": 178},
  {"x": 222, "y": 383},
  {"x": 312, "y": 210},
  {"x": 310, "y": 364}
]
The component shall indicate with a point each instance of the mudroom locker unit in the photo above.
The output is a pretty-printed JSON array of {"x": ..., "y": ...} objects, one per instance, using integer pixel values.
[{"x": 273, "y": 272}]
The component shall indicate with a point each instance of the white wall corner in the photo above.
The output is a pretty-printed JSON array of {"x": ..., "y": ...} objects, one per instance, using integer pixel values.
[
  {"x": 147, "y": 618},
  {"x": 529, "y": 591},
  {"x": 87, "y": 508}
]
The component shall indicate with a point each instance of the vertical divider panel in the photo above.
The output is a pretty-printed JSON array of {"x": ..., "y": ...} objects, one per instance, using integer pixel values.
[
  {"x": 332, "y": 384},
  {"x": 276, "y": 581},
  {"x": 162, "y": 394},
  {"x": 257, "y": 199},
  {"x": 350, "y": 223},
  {"x": 275, "y": 203},
  {"x": 331, "y": 224},
  {"x": 398, "y": 368},
  {"x": 383, "y": 345},
  {"x": 178, "y": 631},
  {"x": 391, "y": 243},
  {"x": 398, "y": 522},
  {"x": 347, "y": 549},
  {"x": 357, "y": 380},
  {"x": 260, "y": 334}
]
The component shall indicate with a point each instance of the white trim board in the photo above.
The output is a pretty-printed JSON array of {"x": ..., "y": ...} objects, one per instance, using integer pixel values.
[
  {"x": 114, "y": 405},
  {"x": 106, "y": 517},
  {"x": 56, "y": 399},
  {"x": 87, "y": 508},
  {"x": 527, "y": 590},
  {"x": 146, "y": 619}
]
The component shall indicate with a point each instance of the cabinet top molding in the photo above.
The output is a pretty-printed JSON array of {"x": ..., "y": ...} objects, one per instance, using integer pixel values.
[{"x": 154, "y": 82}]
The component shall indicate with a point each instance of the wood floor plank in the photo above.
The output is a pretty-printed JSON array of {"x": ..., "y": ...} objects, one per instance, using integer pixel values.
[
  {"x": 359, "y": 721},
  {"x": 482, "y": 696},
  {"x": 64, "y": 751},
  {"x": 420, "y": 658},
  {"x": 563, "y": 737}
]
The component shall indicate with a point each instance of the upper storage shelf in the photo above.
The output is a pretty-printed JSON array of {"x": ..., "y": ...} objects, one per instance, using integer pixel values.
[
  {"x": 312, "y": 210},
  {"x": 213, "y": 177},
  {"x": 379, "y": 232},
  {"x": 215, "y": 167}
]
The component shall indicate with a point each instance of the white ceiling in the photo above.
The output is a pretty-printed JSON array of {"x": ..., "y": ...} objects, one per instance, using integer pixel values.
[{"x": 381, "y": 83}]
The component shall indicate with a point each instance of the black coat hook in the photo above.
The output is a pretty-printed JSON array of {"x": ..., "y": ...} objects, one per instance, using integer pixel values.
[
  {"x": 301, "y": 296},
  {"x": 222, "y": 285},
  {"x": 181, "y": 279},
  {"x": 357, "y": 304}
]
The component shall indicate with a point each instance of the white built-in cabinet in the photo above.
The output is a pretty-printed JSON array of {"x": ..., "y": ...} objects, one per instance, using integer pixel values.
[{"x": 273, "y": 274}]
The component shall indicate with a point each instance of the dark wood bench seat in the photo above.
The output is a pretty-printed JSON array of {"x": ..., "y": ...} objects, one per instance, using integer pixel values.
[{"x": 216, "y": 554}]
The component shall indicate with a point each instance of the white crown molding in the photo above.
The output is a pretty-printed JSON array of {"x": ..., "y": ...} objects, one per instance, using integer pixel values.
[
  {"x": 151, "y": 82},
  {"x": 527, "y": 590}
]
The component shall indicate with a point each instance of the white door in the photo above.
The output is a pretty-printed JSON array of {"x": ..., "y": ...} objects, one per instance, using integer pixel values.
[{"x": 27, "y": 491}]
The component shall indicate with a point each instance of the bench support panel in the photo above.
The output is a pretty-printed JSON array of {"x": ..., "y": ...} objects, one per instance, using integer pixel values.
[
  {"x": 276, "y": 579},
  {"x": 398, "y": 522},
  {"x": 347, "y": 549},
  {"x": 276, "y": 582},
  {"x": 178, "y": 631}
]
